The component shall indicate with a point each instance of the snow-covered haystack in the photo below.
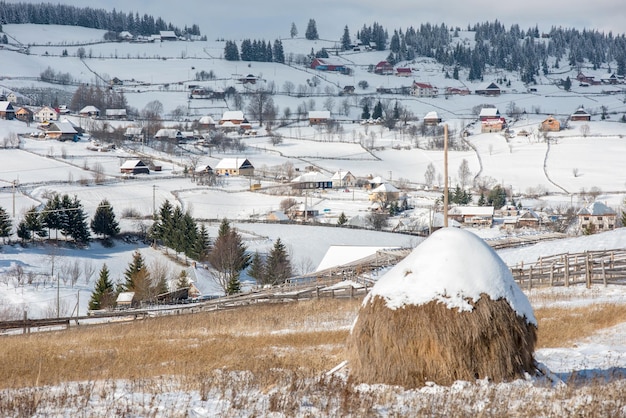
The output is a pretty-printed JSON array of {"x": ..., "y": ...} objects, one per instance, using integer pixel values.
[{"x": 449, "y": 311}]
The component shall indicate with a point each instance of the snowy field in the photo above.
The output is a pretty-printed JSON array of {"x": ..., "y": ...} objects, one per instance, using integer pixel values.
[{"x": 572, "y": 163}]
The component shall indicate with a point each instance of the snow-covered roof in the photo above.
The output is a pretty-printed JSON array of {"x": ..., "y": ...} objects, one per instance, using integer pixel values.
[
  {"x": 339, "y": 255},
  {"x": 452, "y": 266},
  {"x": 596, "y": 209},
  {"x": 125, "y": 297},
  {"x": 89, "y": 109},
  {"x": 230, "y": 163},
  {"x": 386, "y": 188},
  {"x": 431, "y": 115},
  {"x": 319, "y": 114},
  {"x": 206, "y": 120},
  {"x": 233, "y": 115},
  {"x": 489, "y": 111},
  {"x": 64, "y": 127},
  {"x": 472, "y": 210},
  {"x": 341, "y": 175},
  {"x": 131, "y": 164},
  {"x": 312, "y": 176}
]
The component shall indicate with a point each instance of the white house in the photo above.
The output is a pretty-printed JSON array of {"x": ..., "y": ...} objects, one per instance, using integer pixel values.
[{"x": 45, "y": 114}]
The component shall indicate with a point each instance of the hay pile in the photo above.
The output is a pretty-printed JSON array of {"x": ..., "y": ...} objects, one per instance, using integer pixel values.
[{"x": 449, "y": 311}]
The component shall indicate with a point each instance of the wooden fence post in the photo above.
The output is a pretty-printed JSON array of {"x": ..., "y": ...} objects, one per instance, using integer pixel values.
[
  {"x": 566, "y": 277},
  {"x": 552, "y": 275},
  {"x": 530, "y": 277},
  {"x": 603, "y": 272},
  {"x": 588, "y": 270}
]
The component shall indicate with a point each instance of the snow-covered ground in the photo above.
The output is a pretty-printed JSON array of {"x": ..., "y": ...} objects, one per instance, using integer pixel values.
[{"x": 574, "y": 163}]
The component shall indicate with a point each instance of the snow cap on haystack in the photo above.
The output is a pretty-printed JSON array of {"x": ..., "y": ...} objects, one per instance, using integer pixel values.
[{"x": 449, "y": 311}]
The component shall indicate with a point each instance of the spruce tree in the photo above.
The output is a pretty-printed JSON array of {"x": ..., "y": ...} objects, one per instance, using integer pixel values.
[
  {"x": 23, "y": 232},
  {"x": 51, "y": 215},
  {"x": 76, "y": 221},
  {"x": 278, "y": 266},
  {"x": 378, "y": 111},
  {"x": 5, "y": 224},
  {"x": 104, "y": 222},
  {"x": 345, "y": 39},
  {"x": 202, "y": 244},
  {"x": 257, "y": 268},
  {"x": 311, "y": 31},
  {"x": 103, "y": 295},
  {"x": 137, "y": 277},
  {"x": 342, "y": 220},
  {"x": 228, "y": 257},
  {"x": 32, "y": 222}
]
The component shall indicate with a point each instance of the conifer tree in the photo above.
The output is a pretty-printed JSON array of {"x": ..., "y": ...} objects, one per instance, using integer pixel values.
[
  {"x": 32, "y": 222},
  {"x": 278, "y": 266},
  {"x": 23, "y": 232},
  {"x": 104, "y": 222},
  {"x": 346, "y": 41},
  {"x": 293, "y": 31},
  {"x": 103, "y": 295},
  {"x": 342, "y": 220},
  {"x": 5, "y": 224},
  {"x": 202, "y": 244},
  {"x": 183, "y": 280},
  {"x": 228, "y": 257},
  {"x": 137, "y": 278},
  {"x": 378, "y": 111},
  {"x": 257, "y": 268},
  {"x": 311, "y": 31}
]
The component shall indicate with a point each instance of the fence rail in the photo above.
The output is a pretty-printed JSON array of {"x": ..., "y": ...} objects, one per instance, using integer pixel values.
[{"x": 589, "y": 267}]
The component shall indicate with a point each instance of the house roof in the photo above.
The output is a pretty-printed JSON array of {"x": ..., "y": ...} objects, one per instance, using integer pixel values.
[
  {"x": 422, "y": 85},
  {"x": 311, "y": 177},
  {"x": 132, "y": 130},
  {"x": 233, "y": 115},
  {"x": 431, "y": 115},
  {"x": 490, "y": 112},
  {"x": 166, "y": 133},
  {"x": 319, "y": 114},
  {"x": 581, "y": 111},
  {"x": 64, "y": 127},
  {"x": 233, "y": 163},
  {"x": 115, "y": 112},
  {"x": 206, "y": 120},
  {"x": 89, "y": 109},
  {"x": 125, "y": 297},
  {"x": 133, "y": 164},
  {"x": 472, "y": 210},
  {"x": 340, "y": 175},
  {"x": 386, "y": 188},
  {"x": 6, "y": 106},
  {"x": 596, "y": 209}
]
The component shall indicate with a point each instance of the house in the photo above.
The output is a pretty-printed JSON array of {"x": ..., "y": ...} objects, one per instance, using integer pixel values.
[
  {"x": 206, "y": 122},
  {"x": 62, "y": 110},
  {"x": 550, "y": 125},
  {"x": 404, "y": 72},
  {"x": 423, "y": 90},
  {"x": 456, "y": 90},
  {"x": 343, "y": 179},
  {"x": 277, "y": 216},
  {"x": 134, "y": 167},
  {"x": 431, "y": 119},
  {"x": 491, "y": 90},
  {"x": 115, "y": 114},
  {"x": 249, "y": 79},
  {"x": 312, "y": 180},
  {"x": 587, "y": 79},
  {"x": 232, "y": 117},
  {"x": 383, "y": 68},
  {"x": 234, "y": 167},
  {"x": 475, "y": 216},
  {"x": 580, "y": 115},
  {"x": 164, "y": 134},
  {"x": 347, "y": 90},
  {"x": 596, "y": 217},
  {"x": 375, "y": 182},
  {"x": 125, "y": 36},
  {"x": 46, "y": 114},
  {"x": 133, "y": 133},
  {"x": 203, "y": 170},
  {"x": 62, "y": 131},
  {"x": 487, "y": 113},
  {"x": 612, "y": 79},
  {"x": 318, "y": 117},
  {"x": 528, "y": 219},
  {"x": 492, "y": 125},
  {"x": 6, "y": 110},
  {"x": 384, "y": 193},
  {"x": 89, "y": 111},
  {"x": 168, "y": 35},
  {"x": 303, "y": 211},
  {"x": 24, "y": 114},
  {"x": 126, "y": 300},
  {"x": 325, "y": 65}
]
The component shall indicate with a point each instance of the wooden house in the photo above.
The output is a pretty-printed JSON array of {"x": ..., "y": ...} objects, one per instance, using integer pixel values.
[
  {"x": 528, "y": 219},
  {"x": 312, "y": 180},
  {"x": 62, "y": 131},
  {"x": 580, "y": 115},
  {"x": 487, "y": 113},
  {"x": 6, "y": 110},
  {"x": 321, "y": 64},
  {"x": 404, "y": 72},
  {"x": 597, "y": 217},
  {"x": 550, "y": 125},
  {"x": 432, "y": 119},
  {"x": 383, "y": 68},
  {"x": 24, "y": 114},
  {"x": 456, "y": 90},
  {"x": 384, "y": 193},
  {"x": 133, "y": 133},
  {"x": 126, "y": 300},
  {"x": 168, "y": 35},
  {"x": 134, "y": 167},
  {"x": 492, "y": 125},
  {"x": 476, "y": 216},
  {"x": 89, "y": 112},
  {"x": 233, "y": 117},
  {"x": 318, "y": 117},
  {"x": 347, "y": 90},
  {"x": 119, "y": 114},
  {"x": 234, "y": 167},
  {"x": 491, "y": 90},
  {"x": 206, "y": 122}
]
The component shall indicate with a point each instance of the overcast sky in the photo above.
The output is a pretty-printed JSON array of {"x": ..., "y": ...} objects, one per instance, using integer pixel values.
[{"x": 271, "y": 19}]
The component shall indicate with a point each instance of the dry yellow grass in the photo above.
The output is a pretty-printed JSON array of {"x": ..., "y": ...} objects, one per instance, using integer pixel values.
[{"x": 307, "y": 338}]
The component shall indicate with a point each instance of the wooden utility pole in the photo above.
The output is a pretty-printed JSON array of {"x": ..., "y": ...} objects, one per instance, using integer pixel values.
[{"x": 445, "y": 175}]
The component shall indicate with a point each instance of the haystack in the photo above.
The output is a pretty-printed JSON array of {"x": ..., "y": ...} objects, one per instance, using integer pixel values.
[{"x": 449, "y": 311}]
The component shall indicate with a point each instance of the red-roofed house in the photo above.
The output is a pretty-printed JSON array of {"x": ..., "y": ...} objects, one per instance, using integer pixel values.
[{"x": 423, "y": 90}]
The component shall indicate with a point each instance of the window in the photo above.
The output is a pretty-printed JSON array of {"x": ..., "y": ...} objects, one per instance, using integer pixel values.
[
  {"x": 599, "y": 218},
  {"x": 585, "y": 218}
]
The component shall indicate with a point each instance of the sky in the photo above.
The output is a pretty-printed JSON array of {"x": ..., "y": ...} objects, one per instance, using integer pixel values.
[{"x": 272, "y": 18}]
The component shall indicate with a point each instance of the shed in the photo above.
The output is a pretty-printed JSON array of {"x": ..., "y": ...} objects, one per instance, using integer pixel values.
[
  {"x": 126, "y": 300},
  {"x": 431, "y": 119},
  {"x": 580, "y": 115},
  {"x": 550, "y": 125},
  {"x": 317, "y": 117},
  {"x": 6, "y": 110},
  {"x": 89, "y": 111}
]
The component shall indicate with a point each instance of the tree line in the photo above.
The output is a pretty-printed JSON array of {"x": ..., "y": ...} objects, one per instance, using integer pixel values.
[
  {"x": 61, "y": 14},
  {"x": 257, "y": 50}
]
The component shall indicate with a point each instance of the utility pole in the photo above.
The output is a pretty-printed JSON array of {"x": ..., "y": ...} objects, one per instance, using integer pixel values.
[
  {"x": 445, "y": 171},
  {"x": 58, "y": 298},
  {"x": 14, "y": 183}
]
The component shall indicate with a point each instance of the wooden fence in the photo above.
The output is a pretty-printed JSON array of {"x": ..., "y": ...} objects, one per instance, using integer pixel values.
[{"x": 589, "y": 267}]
